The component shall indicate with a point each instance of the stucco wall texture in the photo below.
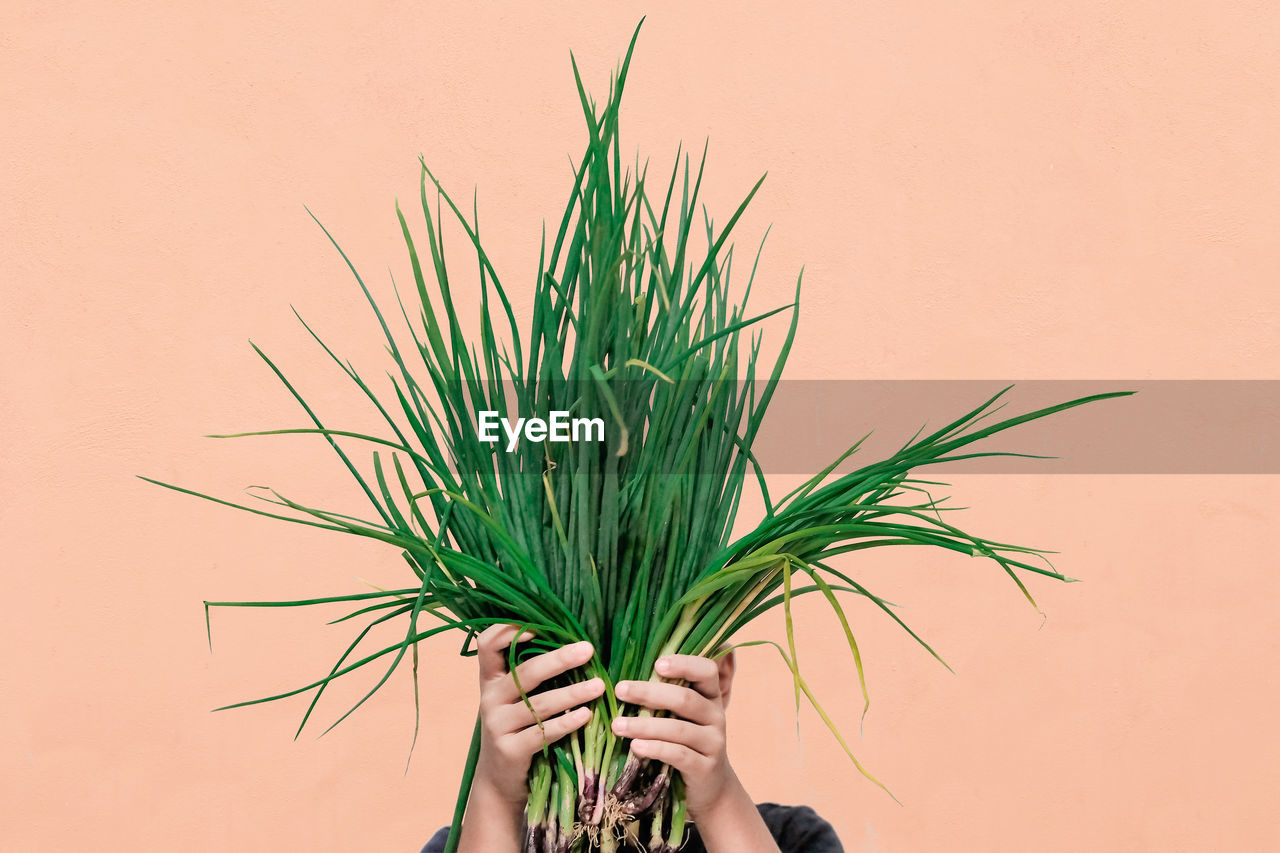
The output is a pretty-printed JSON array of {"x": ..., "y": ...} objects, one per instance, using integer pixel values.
[{"x": 1016, "y": 190}]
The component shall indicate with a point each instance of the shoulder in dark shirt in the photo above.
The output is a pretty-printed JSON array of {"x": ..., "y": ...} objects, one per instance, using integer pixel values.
[{"x": 796, "y": 829}]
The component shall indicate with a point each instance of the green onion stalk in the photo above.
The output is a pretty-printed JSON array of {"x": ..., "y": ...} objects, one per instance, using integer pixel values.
[{"x": 627, "y": 542}]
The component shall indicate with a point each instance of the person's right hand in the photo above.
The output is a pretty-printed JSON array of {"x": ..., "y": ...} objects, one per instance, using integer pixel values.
[{"x": 510, "y": 736}]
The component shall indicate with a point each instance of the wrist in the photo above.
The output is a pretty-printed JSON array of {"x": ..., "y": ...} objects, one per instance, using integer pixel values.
[
  {"x": 731, "y": 823},
  {"x": 729, "y": 799},
  {"x": 491, "y": 821},
  {"x": 496, "y": 792}
]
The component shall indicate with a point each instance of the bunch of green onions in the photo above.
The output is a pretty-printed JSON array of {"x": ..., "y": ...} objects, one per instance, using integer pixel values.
[{"x": 628, "y": 542}]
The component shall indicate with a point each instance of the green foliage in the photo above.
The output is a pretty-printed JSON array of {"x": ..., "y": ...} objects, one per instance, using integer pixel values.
[{"x": 628, "y": 544}]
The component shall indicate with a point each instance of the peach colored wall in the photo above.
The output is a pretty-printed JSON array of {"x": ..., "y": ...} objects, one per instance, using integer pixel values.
[{"x": 977, "y": 190}]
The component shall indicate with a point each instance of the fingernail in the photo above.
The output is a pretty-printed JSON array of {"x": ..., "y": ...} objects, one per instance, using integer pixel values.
[
  {"x": 619, "y": 724},
  {"x": 663, "y": 666},
  {"x": 584, "y": 646},
  {"x": 621, "y": 687}
]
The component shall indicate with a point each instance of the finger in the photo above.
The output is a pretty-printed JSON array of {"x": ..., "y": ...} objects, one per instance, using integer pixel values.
[
  {"x": 517, "y": 715},
  {"x": 531, "y": 739},
  {"x": 677, "y": 755},
  {"x": 682, "y": 701},
  {"x": 705, "y": 740},
  {"x": 491, "y": 645},
  {"x": 702, "y": 673},
  {"x": 538, "y": 669}
]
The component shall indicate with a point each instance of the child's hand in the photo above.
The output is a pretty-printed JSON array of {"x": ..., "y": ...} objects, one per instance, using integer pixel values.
[
  {"x": 510, "y": 736},
  {"x": 693, "y": 741}
]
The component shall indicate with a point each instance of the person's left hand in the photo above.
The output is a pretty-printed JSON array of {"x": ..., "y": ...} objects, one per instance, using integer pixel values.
[{"x": 693, "y": 741}]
